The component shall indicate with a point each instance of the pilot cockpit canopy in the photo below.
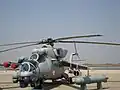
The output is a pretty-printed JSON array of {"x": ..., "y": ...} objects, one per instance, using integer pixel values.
[
  {"x": 38, "y": 57},
  {"x": 24, "y": 67},
  {"x": 27, "y": 66},
  {"x": 34, "y": 56},
  {"x": 60, "y": 52}
]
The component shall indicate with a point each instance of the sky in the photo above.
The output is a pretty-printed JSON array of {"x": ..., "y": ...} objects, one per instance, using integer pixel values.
[{"x": 31, "y": 20}]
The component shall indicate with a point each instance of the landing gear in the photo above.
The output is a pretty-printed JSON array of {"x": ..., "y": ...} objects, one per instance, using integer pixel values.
[
  {"x": 76, "y": 73},
  {"x": 23, "y": 84},
  {"x": 53, "y": 80},
  {"x": 65, "y": 76},
  {"x": 37, "y": 85},
  {"x": 32, "y": 84},
  {"x": 15, "y": 80},
  {"x": 69, "y": 79}
]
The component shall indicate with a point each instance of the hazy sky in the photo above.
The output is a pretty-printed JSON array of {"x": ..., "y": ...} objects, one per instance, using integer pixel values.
[{"x": 29, "y": 20}]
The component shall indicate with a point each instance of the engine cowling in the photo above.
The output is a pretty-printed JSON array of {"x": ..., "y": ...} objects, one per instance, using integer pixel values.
[{"x": 6, "y": 64}]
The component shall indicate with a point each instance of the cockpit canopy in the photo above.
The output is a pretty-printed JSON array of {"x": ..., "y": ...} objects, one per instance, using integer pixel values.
[
  {"x": 47, "y": 51},
  {"x": 27, "y": 66},
  {"x": 24, "y": 67},
  {"x": 34, "y": 56},
  {"x": 37, "y": 57},
  {"x": 60, "y": 52}
]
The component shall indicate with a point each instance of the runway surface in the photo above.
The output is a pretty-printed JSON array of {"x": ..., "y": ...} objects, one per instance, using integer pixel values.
[{"x": 112, "y": 84}]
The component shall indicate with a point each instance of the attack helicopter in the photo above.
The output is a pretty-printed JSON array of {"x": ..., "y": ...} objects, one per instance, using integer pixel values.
[{"x": 46, "y": 62}]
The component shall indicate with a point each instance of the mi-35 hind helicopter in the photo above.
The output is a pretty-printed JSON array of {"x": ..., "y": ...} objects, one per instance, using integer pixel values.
[{"x": 45, "y": 63}]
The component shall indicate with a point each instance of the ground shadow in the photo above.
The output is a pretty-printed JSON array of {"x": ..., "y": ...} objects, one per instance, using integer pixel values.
[
  {"x": 5, "y": 82},
  {"x": 9, "y": 87},
  {"x": 50, "y": 85},
  {"x": 102, "y": 88}
]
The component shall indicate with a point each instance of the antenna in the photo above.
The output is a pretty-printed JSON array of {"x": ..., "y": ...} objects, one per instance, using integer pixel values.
[{"x": 77, "y": 54}]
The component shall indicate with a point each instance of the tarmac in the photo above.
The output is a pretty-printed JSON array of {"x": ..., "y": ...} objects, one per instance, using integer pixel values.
[{"x": 112, "y": 84}]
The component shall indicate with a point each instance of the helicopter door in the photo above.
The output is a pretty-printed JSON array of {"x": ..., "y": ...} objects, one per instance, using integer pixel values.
[
  {"x": 43, "y": 64},
  {"x": 41, "y": 59},
  {"x": 57, "y": 69}
]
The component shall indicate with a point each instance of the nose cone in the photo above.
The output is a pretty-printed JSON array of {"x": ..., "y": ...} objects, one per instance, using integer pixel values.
[{"x": 26, "y": 73}]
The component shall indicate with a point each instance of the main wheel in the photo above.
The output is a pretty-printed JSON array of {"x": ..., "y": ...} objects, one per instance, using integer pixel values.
[
  {"x": 77, "y": 73},
  {"x": 23, "y": 84},
  {"x": 32, "y": 84},
  {"x": 65, "y": 76},
  {"x": 40, "y": 84},
  {"x": 53, "y": 80},
  {"x": 70, "y": 80}
]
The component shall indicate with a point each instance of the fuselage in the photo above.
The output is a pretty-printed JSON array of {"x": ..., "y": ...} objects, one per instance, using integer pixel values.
[{"x": 45, "y": 63}]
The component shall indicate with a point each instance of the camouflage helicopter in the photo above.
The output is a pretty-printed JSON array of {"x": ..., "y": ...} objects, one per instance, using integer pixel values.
[{"x": 46, "y": 62}]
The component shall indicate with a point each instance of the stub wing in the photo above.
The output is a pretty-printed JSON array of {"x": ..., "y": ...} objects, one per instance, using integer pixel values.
[{"x": 67, "y": 64}]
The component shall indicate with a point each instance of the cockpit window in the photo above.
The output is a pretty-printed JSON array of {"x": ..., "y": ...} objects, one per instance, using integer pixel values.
[
  {"x": 38, "y": 57},
  {"x": 32, "y": 67},
  {"x": 24, "y": 67},
  {"x": 41, "y": 58},
  {"x": 33, "y": 62},
  {"x": 34, "y": 56}
]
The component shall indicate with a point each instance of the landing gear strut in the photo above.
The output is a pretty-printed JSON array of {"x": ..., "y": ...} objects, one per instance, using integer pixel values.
[
  {"x": 76, "y": 73},
  {"x": 69, "y": 79},
  {"x": 38, "y": 86},
  {"x": 23, "y": 84}
]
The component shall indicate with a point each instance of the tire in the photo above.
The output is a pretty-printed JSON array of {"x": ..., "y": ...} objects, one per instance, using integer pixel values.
[
  {"x": 23, "y": 85},
  {"x": 40, "y": 85},
  {"x": 66, "y": 77},
  {"x": 77, "y": 73},
  {"x": 70, "y": 80},
  {"x": 32, "y": 85}
]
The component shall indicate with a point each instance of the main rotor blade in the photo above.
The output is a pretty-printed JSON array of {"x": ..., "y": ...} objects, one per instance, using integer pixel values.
[
  {"x": 42, "y": 42},
  {"x": 91, "y": 42},
  {"x": 17, "y": 48},
  {"x": 85, "y": 36},
  {"x": 18, "y": 43}
]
